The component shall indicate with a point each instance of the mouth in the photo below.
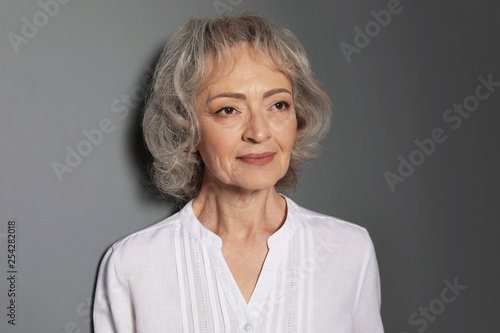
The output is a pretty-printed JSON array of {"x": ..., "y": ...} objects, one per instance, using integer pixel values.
[{"x": 257, "y": 159}]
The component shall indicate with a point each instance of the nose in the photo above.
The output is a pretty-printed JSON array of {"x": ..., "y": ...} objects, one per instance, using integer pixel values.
[{"x": 257, "y": 128}]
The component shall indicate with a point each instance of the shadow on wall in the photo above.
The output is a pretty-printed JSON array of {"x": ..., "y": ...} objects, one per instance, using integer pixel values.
[
  {"x": 139, "y": 156},
  {"x": 130, "y": 106}
]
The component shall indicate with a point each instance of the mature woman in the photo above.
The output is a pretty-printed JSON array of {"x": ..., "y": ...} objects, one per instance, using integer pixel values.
[{"x": 233, "y": 113}]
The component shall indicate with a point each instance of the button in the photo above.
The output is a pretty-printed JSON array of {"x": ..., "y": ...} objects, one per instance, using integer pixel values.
[{"x": 248, "y": 327}]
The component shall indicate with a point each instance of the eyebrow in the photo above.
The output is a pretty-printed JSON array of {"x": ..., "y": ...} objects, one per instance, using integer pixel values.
[{"x": 242, "y": 96}]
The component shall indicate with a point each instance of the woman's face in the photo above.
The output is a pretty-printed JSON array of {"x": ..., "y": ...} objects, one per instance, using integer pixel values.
[{"x": 247, "y": 124}]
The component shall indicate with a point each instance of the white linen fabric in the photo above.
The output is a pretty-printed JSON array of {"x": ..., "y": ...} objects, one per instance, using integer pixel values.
[{"x": 320, "y": 275}]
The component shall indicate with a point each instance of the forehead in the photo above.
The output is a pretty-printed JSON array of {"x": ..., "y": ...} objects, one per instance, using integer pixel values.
[{"x": 243, "y": 55}]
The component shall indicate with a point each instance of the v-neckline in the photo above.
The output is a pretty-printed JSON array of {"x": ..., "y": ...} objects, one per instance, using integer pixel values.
[{"x": 269, "y": 273}]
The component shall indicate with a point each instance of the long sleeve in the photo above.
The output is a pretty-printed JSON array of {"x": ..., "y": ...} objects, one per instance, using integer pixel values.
[
  {"x": 113, "y": 309},
  {"x": 367, "y": 306}
]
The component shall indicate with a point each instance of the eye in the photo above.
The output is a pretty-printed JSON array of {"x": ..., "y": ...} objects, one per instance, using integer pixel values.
[
  {"x": 226, "y": 111},
  {"x": 281, "y": 106}
]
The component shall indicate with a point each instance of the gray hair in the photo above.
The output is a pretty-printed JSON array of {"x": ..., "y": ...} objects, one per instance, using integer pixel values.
[{"x": 170, "y": 126}]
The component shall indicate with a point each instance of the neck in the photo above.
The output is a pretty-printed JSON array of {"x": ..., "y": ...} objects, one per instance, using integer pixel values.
[{"x": 239, "y": 215}]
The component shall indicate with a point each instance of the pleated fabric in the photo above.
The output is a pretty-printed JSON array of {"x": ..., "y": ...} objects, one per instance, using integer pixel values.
[{"x": 320, "y": 275}]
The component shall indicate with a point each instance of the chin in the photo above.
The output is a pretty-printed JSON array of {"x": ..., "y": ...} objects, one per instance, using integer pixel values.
[
  {"x": 257, "y": 182},
  {"x": 259, "y": 186}
]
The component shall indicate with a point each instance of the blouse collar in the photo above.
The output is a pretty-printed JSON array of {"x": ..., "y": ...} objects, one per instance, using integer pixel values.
[{"x": 281, "y": 236}]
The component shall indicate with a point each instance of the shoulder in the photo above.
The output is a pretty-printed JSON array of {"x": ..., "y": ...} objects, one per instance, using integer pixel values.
[
  {"x": 326, "y": 223},
  {"x": 333, "y": 231},
  {"x": 140, "y": 244}
]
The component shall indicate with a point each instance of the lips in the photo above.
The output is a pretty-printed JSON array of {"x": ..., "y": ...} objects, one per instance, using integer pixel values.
[{"x": 257, "y": 159}]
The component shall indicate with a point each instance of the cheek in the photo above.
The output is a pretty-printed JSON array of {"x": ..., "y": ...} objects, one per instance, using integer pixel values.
[
  {"x": 287, "y": 131},
  {"x": 213, "y": 148}
]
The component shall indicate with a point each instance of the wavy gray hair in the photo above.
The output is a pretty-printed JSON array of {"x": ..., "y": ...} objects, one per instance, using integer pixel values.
[{"x": 170, "y": 126}]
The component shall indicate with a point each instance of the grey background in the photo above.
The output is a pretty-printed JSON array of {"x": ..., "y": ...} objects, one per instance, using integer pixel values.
[{"x": 441, "y": 223}]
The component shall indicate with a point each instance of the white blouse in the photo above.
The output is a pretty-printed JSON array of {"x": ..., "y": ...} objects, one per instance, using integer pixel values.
[{"x": 320, "y": 275}]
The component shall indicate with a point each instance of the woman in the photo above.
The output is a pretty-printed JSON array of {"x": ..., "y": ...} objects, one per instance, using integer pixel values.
[{"x": 234, "y": 111}]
